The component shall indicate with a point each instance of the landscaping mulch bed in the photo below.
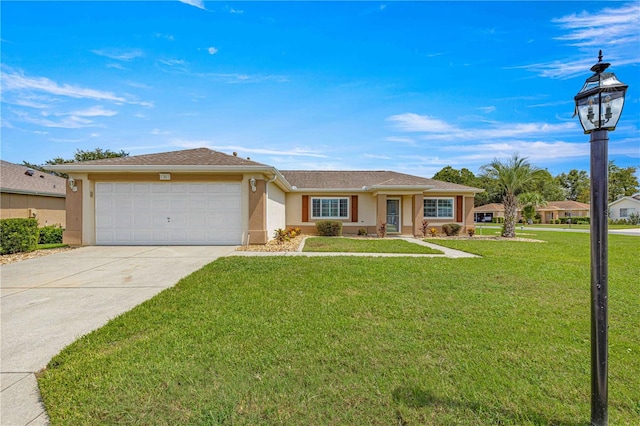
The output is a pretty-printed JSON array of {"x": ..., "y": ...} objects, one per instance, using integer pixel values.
[
  {"x": 273, "y": 246},
  {"x": 17, "y": 257}
]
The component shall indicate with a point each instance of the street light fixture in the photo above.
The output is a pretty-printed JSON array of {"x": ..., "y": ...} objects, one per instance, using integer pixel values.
[{"x": 599, "y": 106}]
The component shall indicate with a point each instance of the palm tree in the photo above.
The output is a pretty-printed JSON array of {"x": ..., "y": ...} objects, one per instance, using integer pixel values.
[
  {"x": 530, "y": 201},
  {"x": 513, "y": 178}
]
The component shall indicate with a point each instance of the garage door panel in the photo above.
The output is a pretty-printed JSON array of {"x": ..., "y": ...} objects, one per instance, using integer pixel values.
[{"x": 168, "y": 213}]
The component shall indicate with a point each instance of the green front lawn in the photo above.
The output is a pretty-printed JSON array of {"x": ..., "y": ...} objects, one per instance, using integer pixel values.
[
  {"x": 51, "y": 246},
  {"x": 358, "y": 245},
  {"x": 502, "y": 339}
]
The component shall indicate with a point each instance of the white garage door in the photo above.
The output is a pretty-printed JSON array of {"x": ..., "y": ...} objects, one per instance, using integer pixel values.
[{"x": 168, "y": 213}]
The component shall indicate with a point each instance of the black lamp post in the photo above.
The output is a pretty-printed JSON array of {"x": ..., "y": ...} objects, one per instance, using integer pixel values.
[{"x": 599, "y": 105}]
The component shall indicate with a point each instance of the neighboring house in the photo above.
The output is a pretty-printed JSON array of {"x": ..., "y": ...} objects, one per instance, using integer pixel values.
[
  {"x": 553, "y": 210},
  {"x": 624, "y": 207},
  {"x": 200, "y": 196},
  {"x": 29, "y": 193}
]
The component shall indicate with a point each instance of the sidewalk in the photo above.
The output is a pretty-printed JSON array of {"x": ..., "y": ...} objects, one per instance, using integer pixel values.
[{"x": 446, "y": 252}]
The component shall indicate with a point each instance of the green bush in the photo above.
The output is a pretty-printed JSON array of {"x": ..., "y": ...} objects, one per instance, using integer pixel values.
[
  {"x": 497, "y": 219},
  {"x": 329, "y": 228},
  {"x": 50, "y": 235},
  {"x": 575, "y": 220},
  {"x": 18, "y": 235},
  {"x": 451, "y": 229}
]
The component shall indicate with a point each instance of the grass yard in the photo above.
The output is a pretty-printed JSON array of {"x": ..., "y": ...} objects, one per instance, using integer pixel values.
[
  {"x": 502, "y": 339},
  {"x": 359, "y": 245},
  {"x": 51, "y": 246}
]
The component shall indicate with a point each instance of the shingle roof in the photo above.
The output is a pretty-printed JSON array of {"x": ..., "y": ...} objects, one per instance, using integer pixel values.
[
  {"x": 565, "y": 205},
  {"x": 316, "y": 179},
  {"x": 14, "y": 178},
  {"x": 488, "y": 208},
  {"x": 187, "y": 157}
]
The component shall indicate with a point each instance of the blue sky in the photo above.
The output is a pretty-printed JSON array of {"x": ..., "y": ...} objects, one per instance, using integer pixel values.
[{"x": 404, "y": 86}]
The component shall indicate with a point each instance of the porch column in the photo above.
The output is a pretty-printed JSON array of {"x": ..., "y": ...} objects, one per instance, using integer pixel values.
[
  {"x": 72, "y": 234},
  {"x": 381, "y": 214},
  {"x": 418, "y": 215},
  {"x": 468, "y": 213},
  {"x": 258, "y": 213}
]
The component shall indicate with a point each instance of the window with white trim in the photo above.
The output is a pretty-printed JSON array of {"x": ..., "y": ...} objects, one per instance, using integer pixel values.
[
  {"x": 438, "y": 208},
  {"x": 627, "y": 212},
  {"x": 330, "y": 208}
]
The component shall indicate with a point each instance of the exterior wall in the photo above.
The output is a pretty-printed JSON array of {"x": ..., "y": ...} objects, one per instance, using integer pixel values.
[
  {"x": 276, "y": 212},
  {"x": 80, "y": 216},
  {"x": 626, "y": 203},
  {"x": 366, "y": 212},
  {"x": 47, "y": 210},
  {"x": 72, "y": 235},
  {"x": 406, "y": 215},
  {"x": 468, "y": 214},
  {"x": 258, "y": 214}
]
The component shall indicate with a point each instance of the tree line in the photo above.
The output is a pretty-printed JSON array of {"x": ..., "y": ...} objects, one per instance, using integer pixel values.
[{"x": 574, "y": 185}]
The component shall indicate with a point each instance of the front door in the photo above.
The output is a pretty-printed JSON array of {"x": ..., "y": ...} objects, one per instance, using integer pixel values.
[{"x": 393, "y": 215}]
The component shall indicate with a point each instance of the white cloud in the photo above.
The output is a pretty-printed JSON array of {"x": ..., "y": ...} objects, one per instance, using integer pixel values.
[
  {"x": 212, "y": 50},
  {"x": 15, "y": 81},
  {"x": 119, "y": 54},
  {"x": 196, "y": 3},
  {"x": 613, "y": 29},
  {"x": 487, "y": 109},
  {"x": 410, "y": 122},
  {"x": 96, "y": 111},
  {"x": 435, "y": 129},
  {"x": 378, "y": 157},
  {"x": 409, "y": 141},
  {"x": 296, "y": 152}
]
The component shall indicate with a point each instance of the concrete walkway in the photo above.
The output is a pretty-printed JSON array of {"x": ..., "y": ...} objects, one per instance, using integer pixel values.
[
  {"x": 48, "y": 302},
  {"x": 446, "y": 252}
]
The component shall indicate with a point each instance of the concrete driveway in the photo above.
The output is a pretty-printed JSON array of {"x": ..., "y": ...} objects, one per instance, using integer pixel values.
[{"x": 48, "y": 302}]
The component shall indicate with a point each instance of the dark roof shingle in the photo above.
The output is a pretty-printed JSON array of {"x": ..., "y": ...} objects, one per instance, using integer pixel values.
[
  {"x": 327, "y": 179},
  {"x": 14, "y": 178},
  {"x": 187, "y": 157}
]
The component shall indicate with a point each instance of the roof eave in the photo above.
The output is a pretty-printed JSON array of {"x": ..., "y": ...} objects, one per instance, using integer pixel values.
[
  {"x": 27, "y": 192},
  {"x": 85, "y": 168}
]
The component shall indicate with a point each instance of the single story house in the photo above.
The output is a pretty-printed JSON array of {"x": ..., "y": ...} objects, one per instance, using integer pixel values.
[
  {"x": 624, "y": 207},
  {"x": 553, "y": 210},
  {"x": 204, "y": 197},
  {"x": 29, "y": 193}
]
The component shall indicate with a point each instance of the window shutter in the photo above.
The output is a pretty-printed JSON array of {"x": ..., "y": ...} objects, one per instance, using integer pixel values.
[
  {"x": 354, "y": 208},
  {"x": 459, "y": 208},
  {"x": 305, "y": 208}
]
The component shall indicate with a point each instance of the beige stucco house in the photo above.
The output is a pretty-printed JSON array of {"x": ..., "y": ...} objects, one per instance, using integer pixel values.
[
  {"x": 29, "y": 193},
  {"x": 624, "y": 207},
  {"x": 553, "y": 210},
  {"x": 202, "y": 197}
]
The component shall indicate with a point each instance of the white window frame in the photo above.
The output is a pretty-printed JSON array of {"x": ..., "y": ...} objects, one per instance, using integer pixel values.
[
  {"x": 438, "y": 199},
  {"x": 321, "y": 199},
  {"x": 628, "y": 211}
]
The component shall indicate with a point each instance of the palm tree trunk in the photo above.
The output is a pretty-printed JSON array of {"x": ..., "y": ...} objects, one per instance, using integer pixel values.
[{"x": 510, "y": 210}]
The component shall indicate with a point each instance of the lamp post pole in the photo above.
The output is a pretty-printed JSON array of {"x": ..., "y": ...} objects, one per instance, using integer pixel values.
[
  {"x": 599, "y": 106},
  {"x": 599, "y": 284}
]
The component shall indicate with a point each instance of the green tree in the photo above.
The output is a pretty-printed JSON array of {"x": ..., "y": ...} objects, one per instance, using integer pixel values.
[
  {"x": 461, "y": 177},
  {"x": 622, "y": 182},
  {"x": 512, "y": 177},
  {"x": 80, "y": 155},
  {"x": 547, "y": 186},
  {"x": 529, "y": 202},
  {"x": 466, "y": 177},
  {"x": 576, "y": 185}
]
